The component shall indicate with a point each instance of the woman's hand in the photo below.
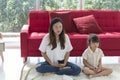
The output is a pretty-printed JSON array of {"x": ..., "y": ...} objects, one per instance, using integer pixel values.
[
  {"x": 62, "y": 65},
  {"x": 57, "y": 65}
]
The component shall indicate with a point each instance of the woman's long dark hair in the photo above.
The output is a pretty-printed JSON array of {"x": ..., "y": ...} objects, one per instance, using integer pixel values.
[{"x": 52, "y": 36}]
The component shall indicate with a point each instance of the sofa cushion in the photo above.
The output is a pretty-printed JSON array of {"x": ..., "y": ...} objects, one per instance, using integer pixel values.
[
  {"x": 39, "y": 21},
  {"x": 87, "y": 24},
  {"x": 78, "y": 42},
  {"x": 65, "y": 16},
  {"x": 108, "y": 20},
  {"x": 34, "y": 43},
  {"x": 108, "y": 41}
]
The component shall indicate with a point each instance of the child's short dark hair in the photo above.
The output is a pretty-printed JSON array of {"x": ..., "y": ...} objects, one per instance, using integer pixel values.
[{"x": 93, "y": 38}]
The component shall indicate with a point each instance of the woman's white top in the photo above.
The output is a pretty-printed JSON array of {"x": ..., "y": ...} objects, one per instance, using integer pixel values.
[
  {"x": 93, "y": 57},
  {"x": 57, "y": 53}
]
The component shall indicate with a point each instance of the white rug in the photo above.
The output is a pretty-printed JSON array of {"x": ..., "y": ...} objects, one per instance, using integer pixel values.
[{"x": 33, "y": 75}]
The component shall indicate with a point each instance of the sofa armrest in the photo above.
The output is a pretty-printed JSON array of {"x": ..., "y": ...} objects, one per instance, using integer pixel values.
[{"x": 24, "y": 35}]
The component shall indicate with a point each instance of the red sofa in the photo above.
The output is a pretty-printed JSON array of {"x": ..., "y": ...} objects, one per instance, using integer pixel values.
[{"x": 108, "y": 20}]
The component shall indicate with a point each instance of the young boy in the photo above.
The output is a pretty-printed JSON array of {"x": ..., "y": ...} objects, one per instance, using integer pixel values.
[{"x": 92, "y": 57}]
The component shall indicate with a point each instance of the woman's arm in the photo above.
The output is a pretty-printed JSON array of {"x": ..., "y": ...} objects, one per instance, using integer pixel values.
[
  {"x": 66, "y": 58},
  {"x": 88, "y": 65},
  {"x": 48, "y": 60},
  {"x": 46, "y": 57}
]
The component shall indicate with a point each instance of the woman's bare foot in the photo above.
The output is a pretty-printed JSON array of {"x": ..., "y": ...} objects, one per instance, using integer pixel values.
[{"x": 65, "y": 67}]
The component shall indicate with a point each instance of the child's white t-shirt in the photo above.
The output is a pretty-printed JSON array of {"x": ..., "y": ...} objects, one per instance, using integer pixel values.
[
  {"x": 57, "y": 53},
  {"x": 93, "y": 57}
]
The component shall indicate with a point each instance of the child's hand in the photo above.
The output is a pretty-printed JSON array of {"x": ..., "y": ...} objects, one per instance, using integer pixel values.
[
  {"x": 94, "y": 69},
  {"x": 99, "y": 70}
]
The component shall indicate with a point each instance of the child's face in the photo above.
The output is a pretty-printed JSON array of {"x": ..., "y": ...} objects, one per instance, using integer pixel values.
[
  {"x": 94, "y": 45},
  {"x": 57, "y": 28}
]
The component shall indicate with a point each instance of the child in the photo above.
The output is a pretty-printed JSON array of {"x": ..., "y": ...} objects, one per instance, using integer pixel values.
[
  {"x": 92, "y": 59},
  {"x": 55, "y": 48}
]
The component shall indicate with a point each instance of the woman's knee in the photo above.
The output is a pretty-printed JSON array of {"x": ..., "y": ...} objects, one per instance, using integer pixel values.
[
  {"x": 40, "y": 69},
  {"x": 76, "y": 70}
]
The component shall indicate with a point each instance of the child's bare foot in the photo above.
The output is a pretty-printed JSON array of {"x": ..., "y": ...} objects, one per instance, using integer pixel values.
[{"x": 91, "y": 76}]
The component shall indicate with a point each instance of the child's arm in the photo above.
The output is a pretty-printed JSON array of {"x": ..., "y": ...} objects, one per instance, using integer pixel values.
[
  {"x": 88, "y": 65},
  {"x": 99, "y": 66}
]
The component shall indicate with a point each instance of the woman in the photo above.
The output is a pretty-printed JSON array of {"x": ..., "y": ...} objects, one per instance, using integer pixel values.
[{"x": 55, "y": 48}]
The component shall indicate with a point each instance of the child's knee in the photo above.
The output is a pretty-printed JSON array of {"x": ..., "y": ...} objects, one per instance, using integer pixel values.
[
  {"x": 88, "y": 71},
  {"x": 110, "y": 71},
  {"x": 85, "y": 69}
]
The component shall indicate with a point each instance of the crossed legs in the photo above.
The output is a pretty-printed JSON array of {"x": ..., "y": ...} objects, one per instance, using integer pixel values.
[
  {"x": 45, "y": 67},
  {"x": 91, "y": 73}
]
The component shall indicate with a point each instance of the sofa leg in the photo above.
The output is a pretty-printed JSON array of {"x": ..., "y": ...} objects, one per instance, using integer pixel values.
[
  {"x": 2, "y": 57},
  {"x": 24, "y": 59}
]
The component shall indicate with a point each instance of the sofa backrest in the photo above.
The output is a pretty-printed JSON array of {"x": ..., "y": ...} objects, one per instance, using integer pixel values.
[
  {"x": 39, "y": 21},
  {"x": 65, "y": 15},
  {"x": 108, "y": 20}
]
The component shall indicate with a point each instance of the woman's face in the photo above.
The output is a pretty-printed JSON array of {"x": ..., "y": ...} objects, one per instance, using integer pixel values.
[{"x": 57, "y": 28}]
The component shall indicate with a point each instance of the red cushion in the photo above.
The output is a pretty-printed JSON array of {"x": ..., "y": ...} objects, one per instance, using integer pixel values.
[
  {"x": 87, "y": 24},
  {"x": 65, "y": 16}
]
